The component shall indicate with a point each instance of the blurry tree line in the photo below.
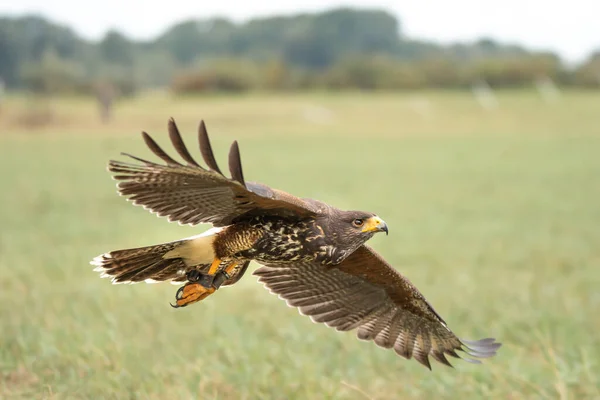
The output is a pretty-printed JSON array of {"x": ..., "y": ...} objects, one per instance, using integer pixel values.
[{"x": 336, "y": 49}]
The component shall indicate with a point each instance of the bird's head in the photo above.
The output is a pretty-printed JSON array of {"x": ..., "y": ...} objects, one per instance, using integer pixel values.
[{"x": 356, "y": 227}]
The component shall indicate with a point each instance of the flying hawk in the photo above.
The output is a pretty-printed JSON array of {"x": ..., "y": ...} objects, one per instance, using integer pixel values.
[{"x": 313, "y": 255}]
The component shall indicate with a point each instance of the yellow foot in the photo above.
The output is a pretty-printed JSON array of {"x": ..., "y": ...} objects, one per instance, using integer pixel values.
[{"x": 191, "y": 293}]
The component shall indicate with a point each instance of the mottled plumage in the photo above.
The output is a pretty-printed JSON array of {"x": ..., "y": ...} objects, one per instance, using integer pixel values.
[{"x": 313, "y": 255}]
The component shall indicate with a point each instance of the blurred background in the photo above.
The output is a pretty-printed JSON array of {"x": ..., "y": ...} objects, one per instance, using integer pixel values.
[{"x": 472, "y": 128}]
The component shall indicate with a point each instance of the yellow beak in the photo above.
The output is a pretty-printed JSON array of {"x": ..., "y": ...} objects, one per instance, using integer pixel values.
[{"x": 375, "y": 224}]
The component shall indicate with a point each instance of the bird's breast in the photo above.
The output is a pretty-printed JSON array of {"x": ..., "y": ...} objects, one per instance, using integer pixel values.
[{"x": 283, "y": 240}]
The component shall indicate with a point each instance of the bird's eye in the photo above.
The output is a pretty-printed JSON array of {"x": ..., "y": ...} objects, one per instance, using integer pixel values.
[{"x": 358, "y": 222}]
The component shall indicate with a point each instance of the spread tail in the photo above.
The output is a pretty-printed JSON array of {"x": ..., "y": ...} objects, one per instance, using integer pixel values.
[
  {"x": 143, "y": 264},
  {"x": 163, "y": 262}
]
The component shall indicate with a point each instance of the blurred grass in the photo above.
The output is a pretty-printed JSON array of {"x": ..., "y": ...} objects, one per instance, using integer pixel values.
[{"x": 493, "y": 215}]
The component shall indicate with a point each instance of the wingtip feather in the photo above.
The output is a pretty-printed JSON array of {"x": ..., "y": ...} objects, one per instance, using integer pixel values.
[
  {"x": 206, "y": 148},
  {"x": 235, "y": 163},
  {"x": 157, "y": 150},
  {"x": 178, "y": 143}
]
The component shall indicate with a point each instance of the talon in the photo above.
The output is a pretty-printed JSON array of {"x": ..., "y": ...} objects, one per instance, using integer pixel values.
[{"x": 191, "y": 293}]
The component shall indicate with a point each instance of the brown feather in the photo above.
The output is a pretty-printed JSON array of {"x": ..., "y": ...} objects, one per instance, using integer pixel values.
[
  {"x": 177, "y": 141},
  {"x": 190, "y": 194},
  {"x": 365, "y": 293},
  {"x": 140, "y": 264},
  {"x": 206, "y": 149},
  {"x": 235, "y": 163},
  {"x": 157, "y": 150}
]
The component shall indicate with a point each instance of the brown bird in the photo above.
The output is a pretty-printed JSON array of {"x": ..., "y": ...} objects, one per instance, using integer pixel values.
[{"x": 313, "y": 255}]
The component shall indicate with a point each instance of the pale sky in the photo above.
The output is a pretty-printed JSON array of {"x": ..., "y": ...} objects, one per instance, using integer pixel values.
[{"x": 570, "y": 28}]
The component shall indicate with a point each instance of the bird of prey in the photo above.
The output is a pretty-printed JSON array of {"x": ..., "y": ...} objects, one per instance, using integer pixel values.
[{"x": 312, "y": 254}]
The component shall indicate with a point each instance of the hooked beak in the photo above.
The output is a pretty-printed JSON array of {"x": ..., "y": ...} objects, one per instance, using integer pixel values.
[{"x": 375, "y": 224}]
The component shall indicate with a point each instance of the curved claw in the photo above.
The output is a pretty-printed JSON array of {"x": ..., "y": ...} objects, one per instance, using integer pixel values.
[
  {"x": 191, "y": 293},
  {"x": 178, "y": 296}
]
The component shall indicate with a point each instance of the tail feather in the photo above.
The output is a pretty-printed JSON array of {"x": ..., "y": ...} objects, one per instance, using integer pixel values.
[
  {"x": 158, "y": 271},
  {"x": 162, "y": 262},
  {"x": 124, "y": 259},
  {"x": 143, "y": 264}
]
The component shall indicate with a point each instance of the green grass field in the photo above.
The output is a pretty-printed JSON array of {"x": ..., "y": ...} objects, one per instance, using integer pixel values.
[{"x": 494, "y": 215}]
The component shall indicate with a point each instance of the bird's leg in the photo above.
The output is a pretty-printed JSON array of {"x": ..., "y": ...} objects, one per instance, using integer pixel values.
[
  {"x": 195, "y": 276},
  {"x": 201, "y": 286},
  {"x": 205, "y": 280},
  {"x": 223, "y": 275},
  {"x": 214, "y": 266}
]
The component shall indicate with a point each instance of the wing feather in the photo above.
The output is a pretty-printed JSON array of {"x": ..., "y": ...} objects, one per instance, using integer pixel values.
[
  {"x": 235, "y": 163},
  {"x": 365, "y": 293},
  {"x": 156, "y": 149},
  {"x": 191, "y": 194},
  {"x": 206, "y": 148},
  {"x": 178, "y": 143}
]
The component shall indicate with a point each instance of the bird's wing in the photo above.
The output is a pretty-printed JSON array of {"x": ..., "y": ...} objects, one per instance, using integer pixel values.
[
  {"x": 191, "y": 194},
  {"x": 364, "y": 292}
]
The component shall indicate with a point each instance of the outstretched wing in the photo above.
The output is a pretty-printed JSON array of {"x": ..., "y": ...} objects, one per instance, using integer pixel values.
[
  {"x": 364, "y": 292},
  {"x": 191, "y": 194}
]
